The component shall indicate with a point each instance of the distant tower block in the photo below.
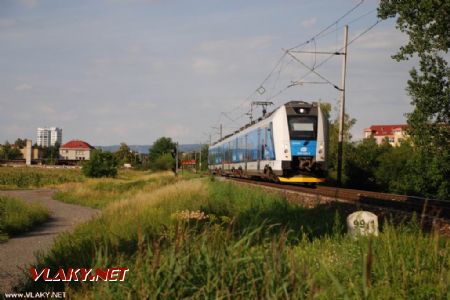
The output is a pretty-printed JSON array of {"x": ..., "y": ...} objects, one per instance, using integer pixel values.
[
  {"x": 362, "y": 223},
  {"x": 28, "y": 153}
]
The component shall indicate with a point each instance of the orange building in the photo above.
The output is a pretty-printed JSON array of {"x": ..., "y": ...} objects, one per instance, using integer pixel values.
[{"x": 393, "y": 133}]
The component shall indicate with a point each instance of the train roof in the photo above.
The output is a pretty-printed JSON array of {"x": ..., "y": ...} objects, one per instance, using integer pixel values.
[{"x": 290, "y": 104}]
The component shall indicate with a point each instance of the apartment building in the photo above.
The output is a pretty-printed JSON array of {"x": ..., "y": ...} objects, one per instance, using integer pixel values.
[{"x": 48, "y": 136}]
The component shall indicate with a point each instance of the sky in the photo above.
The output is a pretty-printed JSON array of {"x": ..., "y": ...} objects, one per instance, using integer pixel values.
[{"x": 111, "y": 71}]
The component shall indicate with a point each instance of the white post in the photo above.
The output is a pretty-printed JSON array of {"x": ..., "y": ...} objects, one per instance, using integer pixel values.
[
  {"x": 342, "y": 109},
  {"x": 28, "y": 153}
]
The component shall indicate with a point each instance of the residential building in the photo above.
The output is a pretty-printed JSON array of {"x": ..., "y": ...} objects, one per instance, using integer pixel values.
[
  {"x": 48, "y": 136},
  {"x": 393, "y": 133},
  {"x": 75, "y": 150}
]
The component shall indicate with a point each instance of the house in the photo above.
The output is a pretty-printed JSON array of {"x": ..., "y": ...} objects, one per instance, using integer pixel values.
[
  {"x": 393, "y": 133},
  {"x": 75, "y": 150}
]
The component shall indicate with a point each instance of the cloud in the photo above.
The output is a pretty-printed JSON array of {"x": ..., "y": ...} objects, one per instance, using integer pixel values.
[
  {"x": 23, "y": 87},
  {"x": 30, "y": 4},
  {"x": 309, "y": 22},
  {"x": 7, "y": 22},
  {"x": 242, "y": 44},
  {"x": 207, "y": 66},
  {"x": 220, "y": 56},
  {"x": 178, "y": 131}
]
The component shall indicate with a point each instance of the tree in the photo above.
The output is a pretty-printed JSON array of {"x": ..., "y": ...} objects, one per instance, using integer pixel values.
[
  {"x": 427, "y": 24},
  {"x": 124, "y": 154},
  {"x": 101, "y": 164},
  {"x": 162, "y": 147},
  {"x": 51, "y": 153},
  {"x": 333, "y": 133},
  {"x": 21, "y": 143},
  {"x": 8, "y": 152},
  {"x": 362, "y": 163},
  {"x": 204, "y": 149}
]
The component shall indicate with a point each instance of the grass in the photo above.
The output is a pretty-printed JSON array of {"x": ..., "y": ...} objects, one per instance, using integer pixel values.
[
  {"x": 17, "y": 216},
  {"x": 199, "y": 239},
  {"x": 23, "y": 177},
  {"x": 100, "y": 192}
]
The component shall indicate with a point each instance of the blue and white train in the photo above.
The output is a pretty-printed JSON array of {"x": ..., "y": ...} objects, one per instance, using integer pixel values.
[{"x": 287, "y": 145}]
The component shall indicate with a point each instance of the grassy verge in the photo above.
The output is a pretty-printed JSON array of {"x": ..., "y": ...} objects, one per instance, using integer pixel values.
[
  {"x": 22, "y": 177},
  {"x": 100, "y": 192},
  {"x": 200, "y": 239},
  {"x": 17, "y": 217}
]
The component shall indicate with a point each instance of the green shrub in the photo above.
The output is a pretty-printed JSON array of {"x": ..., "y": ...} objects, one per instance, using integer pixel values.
[
  {"x": 36, "y": 177},
  {"x": 101, "y": 164},
  {"x": 17, "y": 217}
]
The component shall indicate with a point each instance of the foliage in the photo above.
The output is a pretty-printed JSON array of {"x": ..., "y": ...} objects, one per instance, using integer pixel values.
[
  {"x": 36, "y": 177},
  {"x": 162, "y": 154},
  {"x": 125, "y": 155},
  {"x": 8, "y": 152},
  {"x": 100, "y": 192},
  {"x": 204, "y": 160},
  {"x": 333, "y": 133},
  {"x": 51, "y": 154},
  {"x": 163, "y": 162},
  {"x": 197, "y": 240},
  {"x": 17, "y": 217},
  {"x": 427, "y": 23},
  {"x": 21, "y": 143},
  {"x": 362, "y": 162},
  {"x": 101, "y": 164}
]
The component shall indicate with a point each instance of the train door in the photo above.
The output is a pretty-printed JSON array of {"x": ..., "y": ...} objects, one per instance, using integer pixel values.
[
  {"x": 245, "y": 154},
  {"x": 258, "y": 167}
]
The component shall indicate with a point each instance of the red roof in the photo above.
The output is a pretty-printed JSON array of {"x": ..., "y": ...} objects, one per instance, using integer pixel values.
[
  {"x": 76, "y": 144},
  {"x": 385, "y": 129}
]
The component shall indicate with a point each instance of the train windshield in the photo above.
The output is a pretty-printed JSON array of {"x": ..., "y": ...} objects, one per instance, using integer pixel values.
[{"x": 302, "y": 128}]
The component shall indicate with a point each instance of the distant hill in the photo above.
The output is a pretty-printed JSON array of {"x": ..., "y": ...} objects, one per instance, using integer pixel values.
[{"x": 145, "y": 148}]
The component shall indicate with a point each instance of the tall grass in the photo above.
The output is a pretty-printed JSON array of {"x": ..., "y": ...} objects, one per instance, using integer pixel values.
[
  {"x": 195, "y": 239},
  {"x": 17, "y": 217},
  {"x": 100, "y": 192},
  {"x": 23, "y": 177}
]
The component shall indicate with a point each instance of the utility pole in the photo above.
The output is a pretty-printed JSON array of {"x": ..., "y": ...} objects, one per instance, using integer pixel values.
[
  {"x": 200, "y": 158},
  {"x": 176, "y": 158},
  {"x": 342, "y": 109}
]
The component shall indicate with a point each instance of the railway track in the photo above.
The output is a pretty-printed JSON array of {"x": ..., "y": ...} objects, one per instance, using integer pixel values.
[{"x": 431, "y": 208}]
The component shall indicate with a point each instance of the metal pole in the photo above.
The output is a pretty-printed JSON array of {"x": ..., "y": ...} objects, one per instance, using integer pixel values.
[
  {"x": 176, "y": 158},
  {"x": 342, "y": 109},
  {"x": 200, "y": 159}
]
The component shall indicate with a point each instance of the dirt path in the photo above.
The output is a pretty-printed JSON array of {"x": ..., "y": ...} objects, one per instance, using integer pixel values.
[{"x": 18, "y": 252}]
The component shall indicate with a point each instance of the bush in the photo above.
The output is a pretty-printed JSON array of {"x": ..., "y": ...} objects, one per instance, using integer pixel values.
[
  {"x": 101, "y": 164},
  {"x": 164, "y": 162},
  {"x": 17, "y": 217}
]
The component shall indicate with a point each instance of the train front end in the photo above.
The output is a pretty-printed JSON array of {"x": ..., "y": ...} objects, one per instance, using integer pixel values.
[{"x": 307, "y": 129}]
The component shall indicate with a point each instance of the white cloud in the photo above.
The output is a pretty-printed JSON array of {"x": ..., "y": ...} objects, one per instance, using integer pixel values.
[
  {"x": 7, "y": 22},
  {"x": 23, "y": 87},
  {"x": 309, "y": 22},
  {"x": 220, "y": 56},
  {"x": 178, "y": 131},
  {"x": 29, "y": 3},
  {"x": 205, "y": 66},
  {"x": 241, "y": 44}
]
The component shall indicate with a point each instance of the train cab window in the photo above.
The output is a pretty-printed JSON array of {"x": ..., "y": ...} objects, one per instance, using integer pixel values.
[{"x": 304, "y": 128}]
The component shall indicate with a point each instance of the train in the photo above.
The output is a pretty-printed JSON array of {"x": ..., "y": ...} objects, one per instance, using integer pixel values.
[{"x": 286, "y": 145}]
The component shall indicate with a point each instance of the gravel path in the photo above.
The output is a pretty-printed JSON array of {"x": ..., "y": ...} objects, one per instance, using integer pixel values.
[{"x": 18, "y": 252}]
